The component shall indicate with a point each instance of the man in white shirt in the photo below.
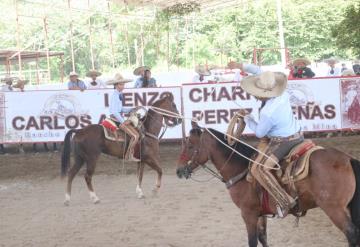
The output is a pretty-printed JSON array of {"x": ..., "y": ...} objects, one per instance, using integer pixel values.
[
  {"x": 333, "y": 71},
  {"x": 277, "y": 129},
  {"x": 244, "y": 69},
  {"x": 201, "y": 71},
  {"x": 95, "y": 82}
]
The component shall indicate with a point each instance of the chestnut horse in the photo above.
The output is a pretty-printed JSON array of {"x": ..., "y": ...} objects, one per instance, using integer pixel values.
[
  {"x": 90, "y": 142},
  {"x": 332, "y": 184}
]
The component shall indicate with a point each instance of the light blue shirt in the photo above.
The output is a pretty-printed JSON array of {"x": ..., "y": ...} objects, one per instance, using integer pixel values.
[
  {"x": 79, "y": 84},
  {"x": 116, "y": 106},
  {"x": 276, "y": 119},
  {"x": 139, "y": 82}
]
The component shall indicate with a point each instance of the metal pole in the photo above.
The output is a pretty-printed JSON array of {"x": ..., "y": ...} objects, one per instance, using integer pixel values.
[
  {"x": 71, "y": 38},
  {"x": 111, "y": 38},
  {"x": 62, "y": 68},
  {"x": 47, "y": 49},
  {"x": 142, "y": 43},
  {"x": 281, "y": 33},
  {"x": 37, "y": 70},
  {"x": 18, "y": 38},
  {"x": 90, "y": 40}
]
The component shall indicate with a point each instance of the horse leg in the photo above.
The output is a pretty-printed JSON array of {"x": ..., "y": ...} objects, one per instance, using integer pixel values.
[
  {"x": 261, "y": 227},
  {"x": 155, "y": 165},
  {"x": 341, "y": 218},
  {"x": 140, "y": 173},
  {"x": 90, "y": 169},
  {"x": 71, "y": 174},
  {"x": 251, "y": 221}
]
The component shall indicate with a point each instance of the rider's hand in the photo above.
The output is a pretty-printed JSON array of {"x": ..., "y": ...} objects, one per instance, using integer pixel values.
[{"x": 243, "y": 113}]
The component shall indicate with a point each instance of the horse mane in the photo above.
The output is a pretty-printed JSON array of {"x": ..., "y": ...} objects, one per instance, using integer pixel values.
[{"x": 240, "y": 147}]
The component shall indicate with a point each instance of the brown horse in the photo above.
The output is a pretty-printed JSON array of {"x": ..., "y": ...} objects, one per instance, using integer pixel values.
[
  {"x": 332, "y": 184},
  {"x": 90, "y": 142}
]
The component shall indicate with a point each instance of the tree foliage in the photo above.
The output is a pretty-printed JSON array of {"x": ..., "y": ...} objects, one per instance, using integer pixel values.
[{"x": 347, "y": 31}]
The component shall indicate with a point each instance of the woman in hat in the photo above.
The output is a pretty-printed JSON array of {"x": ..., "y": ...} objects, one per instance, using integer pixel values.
[
  {"x": 301, "y": 70},
  {"x": 117, "y": 110},
  {"x": 95, "y": 82},
  {"x": 277, "y": 129}
]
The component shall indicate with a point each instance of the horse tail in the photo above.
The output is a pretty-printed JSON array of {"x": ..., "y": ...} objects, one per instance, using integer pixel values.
[
  {"x": 354, "y": 204},
  {"x": 65, "y": 156}
]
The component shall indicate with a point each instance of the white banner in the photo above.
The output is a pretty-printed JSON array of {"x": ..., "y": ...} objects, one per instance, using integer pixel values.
[
  {"x": 44, "y": 116},
  {"x": 316, "y": 103}
]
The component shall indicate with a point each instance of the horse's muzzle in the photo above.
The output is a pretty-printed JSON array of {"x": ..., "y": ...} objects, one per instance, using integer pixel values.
[{"x": 184, "y": 172}]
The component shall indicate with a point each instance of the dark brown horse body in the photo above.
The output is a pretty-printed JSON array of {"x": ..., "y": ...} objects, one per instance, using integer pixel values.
[
  {"x": 333, "y": 183},
  {"x": 90, "y": 142}
]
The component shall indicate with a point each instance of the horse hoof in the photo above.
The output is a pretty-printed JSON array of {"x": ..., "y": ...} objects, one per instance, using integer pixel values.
[
  {"x": 141, "y": 196},
  {"x": 155, "y": 191},
  {"x": 66, "y": 203},
  {"x": 97, "y": 201}
]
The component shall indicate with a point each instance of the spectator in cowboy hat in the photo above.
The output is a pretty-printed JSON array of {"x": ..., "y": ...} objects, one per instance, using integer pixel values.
[
  {"x": 117, "y": 109},
  {"x": 8, "y": 84},
  {"x": 20, "y": 84},
  {"x": 75, "y": 83},
  {"x": 202, "y": 71},
  {"x": 333, "y": 70},
  {"x": 95, "y": 82},
  {"x": 301, "y": 70},
  {"x": 145, "y": 80}
]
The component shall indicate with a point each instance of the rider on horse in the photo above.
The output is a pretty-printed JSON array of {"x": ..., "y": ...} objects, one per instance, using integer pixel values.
[
  {"x": 117, "y": 109},
  {"x": 277, "y": 129}
]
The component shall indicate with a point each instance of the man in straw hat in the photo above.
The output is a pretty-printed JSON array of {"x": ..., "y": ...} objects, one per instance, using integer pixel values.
[
  {"x": 277, "y": 129},
  {"x": 300, "y": 69},
  {"x": 95, "y": 82},
  {"x": 8, "y": 84},
  {"x": 145, "y": 80},
  {"x": 75, "y": 83},
  {"x": 333, "y": 70},
  {"x": 244, "y": 69},
  {"x": 116, "y": 109},
  {"x": 201, "y": 71}
]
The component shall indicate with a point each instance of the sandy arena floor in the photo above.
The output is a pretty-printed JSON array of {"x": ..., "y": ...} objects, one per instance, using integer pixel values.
[{"x": 185, "y": 213}]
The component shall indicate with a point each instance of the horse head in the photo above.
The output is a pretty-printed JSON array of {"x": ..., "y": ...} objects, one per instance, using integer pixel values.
[
  {"x": 194, "y": 153},
  {"x": 170, "y": 113}
]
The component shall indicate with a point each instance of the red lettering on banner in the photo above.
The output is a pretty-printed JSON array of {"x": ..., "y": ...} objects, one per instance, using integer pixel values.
[
  {"x": 32, "y": 124},
  {"x": 330, "y": 112},
  {"x": 153, "y": 98},
  {"x": 85, "y": 120},
  {"x": 106, "y": 100},
  {"x": 127, "y": 100},
  {"x": 45, "y": 121},
  {"x": 218, "y": 116},
  {"x": 316, "y": 112},
  {"x": 192, "y": 96},
  {"x": 223, "y": 93},
  {"x": 238, "y": 92},
  {"x": 71, "y": 122},
  {"x": 311, "y": 112},
  {"x": 56, "y": 124}
]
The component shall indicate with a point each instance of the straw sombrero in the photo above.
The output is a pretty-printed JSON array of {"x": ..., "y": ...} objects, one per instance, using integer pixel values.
[
  {"x": 93, "y": 72},
  {"x": 73, "y": 73},
  {"x": 331, "y": 60},
  {"x": 266, "y": 85},
  {"x": 20, "y": 83},
  {"x": 140, "y": 69},
  {"x": 118, "y": 78},
  {"x": 301, "y": 60},
  {"x": 8, "y": 79},
  {"x": 202, "y": 70}
]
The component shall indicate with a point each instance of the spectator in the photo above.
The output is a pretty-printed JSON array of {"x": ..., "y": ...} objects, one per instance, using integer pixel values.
[
  {"x": 347, "y": 72},
  {"x": 201, "y": 71},
  {"x": 20, "y": 84},
  {"x": 333, "y": 70},
  {"x": 8, "y": 84},
  {"x": 343, "y": 67},
  {"x": 95, "y": 82},
  {"x": 301, "y": 70},
  {"x": 356, "y": 67},
  {"x": 244, "y": 69},
  {"x": 146, "y": 80},
  {"x": 75, "y": 83}
]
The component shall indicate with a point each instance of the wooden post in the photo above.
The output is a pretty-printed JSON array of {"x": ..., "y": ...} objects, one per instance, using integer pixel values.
[
  {"x": 37, "y": 70},
  {"x": 142, "y": 43},
  {"x": 62, "y": 68},
  {"x": 71, "y": 38},
  {"x": 111, "y": 38},
  {"x": 7, "y": 65},
  {"x": 127, "y": 43},
  {"x": 281, "y": 33},
  {"x": 18, "y": 38},
  {"x": 47, "y": 49}
]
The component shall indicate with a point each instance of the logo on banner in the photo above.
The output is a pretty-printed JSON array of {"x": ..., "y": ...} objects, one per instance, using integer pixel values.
[
  {"x": 300, "y": 95},
  {"x": 62, "y": 105}
]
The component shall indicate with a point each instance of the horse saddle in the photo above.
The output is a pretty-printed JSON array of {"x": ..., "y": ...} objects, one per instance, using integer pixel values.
[
  {"x": 295, "y": 166},
  {"x": 112, "y": 131}
]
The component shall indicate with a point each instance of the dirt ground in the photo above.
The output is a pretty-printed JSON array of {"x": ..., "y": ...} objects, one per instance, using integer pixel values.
[{"x": 184, "y": 213}]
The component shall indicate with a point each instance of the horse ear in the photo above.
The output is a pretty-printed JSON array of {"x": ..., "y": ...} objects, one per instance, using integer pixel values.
[{"x": 194, "y": 125}]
